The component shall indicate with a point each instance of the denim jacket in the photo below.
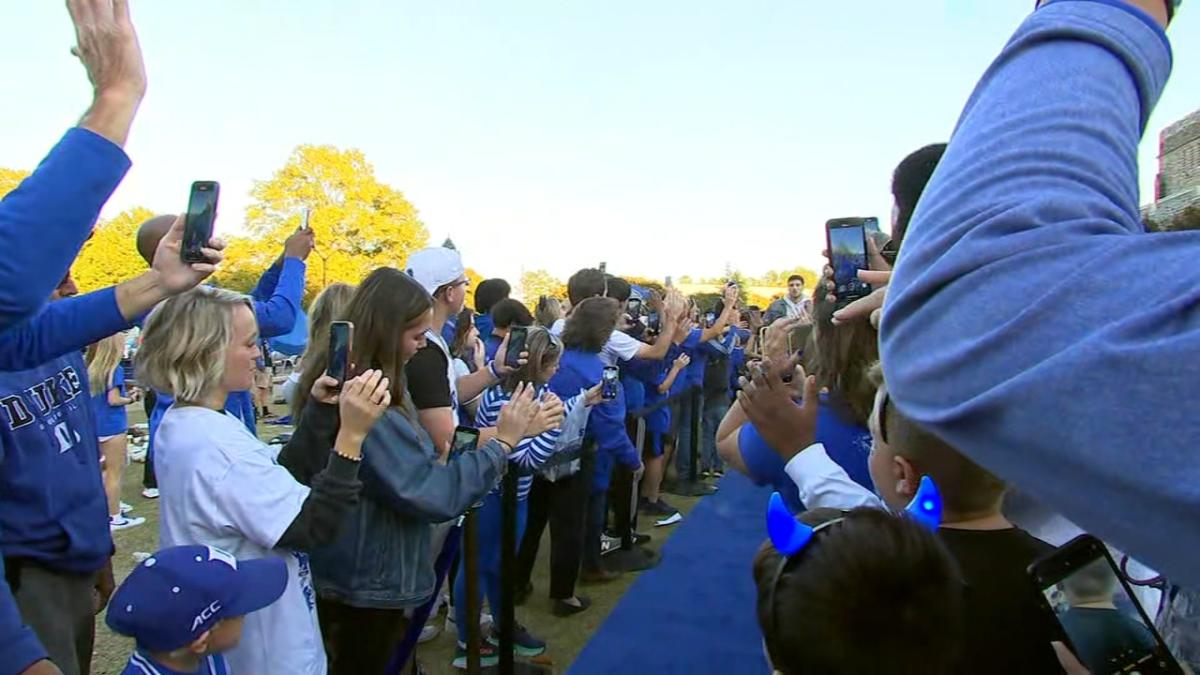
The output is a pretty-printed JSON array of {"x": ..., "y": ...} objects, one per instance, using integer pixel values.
[{"x": 382, "y": 559}]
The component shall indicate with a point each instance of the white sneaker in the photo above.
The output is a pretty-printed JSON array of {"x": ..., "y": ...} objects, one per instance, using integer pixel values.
[
  {"x": 122, "y": 523},
  {"x": 429, "y": 632},
  {"x": 485, "y": 620},
  {"x": 126, "y": 508},
  {"x": 139, "y": 557},
  {"x": 150, "y": 493}
]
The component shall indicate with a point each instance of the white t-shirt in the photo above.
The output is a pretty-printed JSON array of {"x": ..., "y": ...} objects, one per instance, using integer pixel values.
[
  {"x": 620, "y": 346},
  {"x": 220, "y": 486}
]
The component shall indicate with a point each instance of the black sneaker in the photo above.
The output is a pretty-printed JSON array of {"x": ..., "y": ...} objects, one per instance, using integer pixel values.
[
  {"x": 640, "y": 538},
  {"x": 524, "y": 644},
  {"x": 562, "y": 608},
  {"x": 659, "y": 508},
  {"x": 489, "y": 656}
]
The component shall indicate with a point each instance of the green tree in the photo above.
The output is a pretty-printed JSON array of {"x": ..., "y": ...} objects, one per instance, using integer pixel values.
[
  {"x": 536, "y": 283},
  {"x": 360, "y": 222}
]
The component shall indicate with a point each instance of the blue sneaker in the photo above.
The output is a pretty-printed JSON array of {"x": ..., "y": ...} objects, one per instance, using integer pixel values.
[
  {"x": 524, "y": 644},
  {"x": 489, "y": 656}
]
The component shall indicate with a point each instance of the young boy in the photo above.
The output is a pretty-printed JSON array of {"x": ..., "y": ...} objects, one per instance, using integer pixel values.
[
  {"x": 869, "y": 594},
  {"x": 184, "y": 607},
  {"x": 1008, "y": 631}
]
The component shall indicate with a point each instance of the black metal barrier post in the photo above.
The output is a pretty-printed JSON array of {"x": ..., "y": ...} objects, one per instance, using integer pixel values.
[
  {"x": 470, "y": 563},
  {"x": 507, "y": 615}
]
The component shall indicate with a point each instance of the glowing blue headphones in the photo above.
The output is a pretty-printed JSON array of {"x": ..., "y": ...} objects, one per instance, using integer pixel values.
[{"x": 790, "y": 536}]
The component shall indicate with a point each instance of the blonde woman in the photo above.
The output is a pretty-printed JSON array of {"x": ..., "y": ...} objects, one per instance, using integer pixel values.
[
  {"x": 220, "y": 485},
  {"x": 106, "y": 379}
]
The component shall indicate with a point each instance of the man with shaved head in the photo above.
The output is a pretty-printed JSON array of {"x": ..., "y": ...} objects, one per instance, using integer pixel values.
[{"x": 277, "y": 299}]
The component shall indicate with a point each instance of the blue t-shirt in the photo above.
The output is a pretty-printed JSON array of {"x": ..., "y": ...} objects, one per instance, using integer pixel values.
[
  {"x": 846, "y": 443},
  {"x": 140, "y": 663},
  {"x": 110, "y": 419}
]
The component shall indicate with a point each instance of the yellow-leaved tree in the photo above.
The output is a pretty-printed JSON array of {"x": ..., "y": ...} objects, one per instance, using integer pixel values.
[
  {"x": 10, "y": 179},
  {"x": 360, "y": 222},
  {"x": 111, "y": 256},
  {"x": 536, "y": 283}
]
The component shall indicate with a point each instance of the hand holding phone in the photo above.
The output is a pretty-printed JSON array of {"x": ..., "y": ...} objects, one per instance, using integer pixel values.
[
  {"x": 199, "y": 220},
  {"x": 516, "y": 344},
  {"x": 1106, "y": 628},
  {"x": 341, "y": 336},
  {"x": 846, "y": 239},
  {"x": 466, "y": 439},
  {"x": 609, "y": 383}
]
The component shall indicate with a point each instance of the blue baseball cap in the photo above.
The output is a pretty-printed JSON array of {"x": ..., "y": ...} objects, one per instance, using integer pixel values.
[{"x": 177, "y": 594}]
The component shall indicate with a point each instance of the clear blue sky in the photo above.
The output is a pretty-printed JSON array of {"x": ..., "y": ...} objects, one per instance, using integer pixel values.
[{"x": 665, "y": 137}]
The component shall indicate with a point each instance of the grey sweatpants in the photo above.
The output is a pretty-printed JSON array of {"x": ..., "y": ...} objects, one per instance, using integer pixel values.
[{"x": 58, "y": 607}]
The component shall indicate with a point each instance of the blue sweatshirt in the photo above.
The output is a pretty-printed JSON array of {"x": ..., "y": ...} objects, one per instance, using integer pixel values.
[
  {"x": 277, "y": 298},
  {"x": 577, "y": 371},
  {"x": 1031, "y": 322},
  {"x": 46, "y": 219},
  {"x": 60, "y": 328},
  {"x": 52, "y": 503}
]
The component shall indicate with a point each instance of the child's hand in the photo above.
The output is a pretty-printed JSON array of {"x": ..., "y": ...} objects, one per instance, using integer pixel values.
[
  {"x": 594, "y": 396},
  {"x": 516, "y": 416},
  {"x": 767, "y": 401}
]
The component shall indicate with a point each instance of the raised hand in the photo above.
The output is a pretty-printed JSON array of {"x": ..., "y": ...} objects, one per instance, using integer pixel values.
[
  {"x": 594, "y": 396},
  {"x": 870, "y": 307},
  {"x": 502, "y": 368},
  {"x": 107, "y": 44},
  {"x": 550, "y": 417},
  {"x": 682, "y": 361},
  {"x": 175, "y": 275},
  {"x": 517, "y": 415},
  {"x": 362, "y": 402},
  {"x": 299, "y": 244},
  {"x": 767, "y": 401}
]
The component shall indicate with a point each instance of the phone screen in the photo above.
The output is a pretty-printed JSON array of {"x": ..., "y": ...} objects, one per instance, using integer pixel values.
[
  {"x": 633, "y": 307},
  {"x": 1106, "y": 628},
  {"x": 465, "y": 440},
  {"x": 653, "y": 322},
  {"x": 848, "y": 255},
  {"x": 339, "y": 350},
  {"x": 710, "y": 319},
  {"x": 516, "y": 345},
  {"x": 608, "y": 383},
  {"x": 198, "y": 222}
]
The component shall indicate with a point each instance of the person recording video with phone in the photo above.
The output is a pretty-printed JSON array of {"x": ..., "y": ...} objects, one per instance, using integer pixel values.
[{"x": 382, "y": 564}]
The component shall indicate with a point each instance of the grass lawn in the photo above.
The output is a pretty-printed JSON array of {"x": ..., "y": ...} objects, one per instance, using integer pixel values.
[{"x": 566, "y": 637}]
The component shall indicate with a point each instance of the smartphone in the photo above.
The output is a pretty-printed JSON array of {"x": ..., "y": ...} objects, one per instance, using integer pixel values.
[
  {"x": 604, "y": 267},
  {"x": 710, "y": 319},
  {"x": 198, "y": 222},
  {"x": 633, "y": 307},
  {"x": 762, "y": 338},
  {"x": 341, "y": 336},
  {"x": 466, "y": 439},
  {"x": 609, "y": 383},
  {"x": 304, "y": 213},
  {"x": 516, "y": 345},
  {"x": 847, "y": 242},
  {"x": 653, "y": 322},
  {"x": 1105, "y": 626}
]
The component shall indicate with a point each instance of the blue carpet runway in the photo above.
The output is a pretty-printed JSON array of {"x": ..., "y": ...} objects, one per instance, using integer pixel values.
[{"x": 694, "y": 613}]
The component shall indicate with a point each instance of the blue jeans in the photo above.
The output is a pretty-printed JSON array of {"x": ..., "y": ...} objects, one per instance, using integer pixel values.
[
  {"x": 487, "y": 528},
  {"x": 716, "y": 404}
]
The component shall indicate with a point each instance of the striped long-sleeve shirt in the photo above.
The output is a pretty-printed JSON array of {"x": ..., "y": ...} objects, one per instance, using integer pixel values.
[{"x": 530, "y": 453}]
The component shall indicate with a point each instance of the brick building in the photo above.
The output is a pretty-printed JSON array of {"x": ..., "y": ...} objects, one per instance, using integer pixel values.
[{"x": 1177, "y": 185}]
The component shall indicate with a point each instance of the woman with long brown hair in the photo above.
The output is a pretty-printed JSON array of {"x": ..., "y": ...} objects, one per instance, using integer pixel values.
[
  {"x": 327, "y": 307},
  {"x": 381, "y": 564}
]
